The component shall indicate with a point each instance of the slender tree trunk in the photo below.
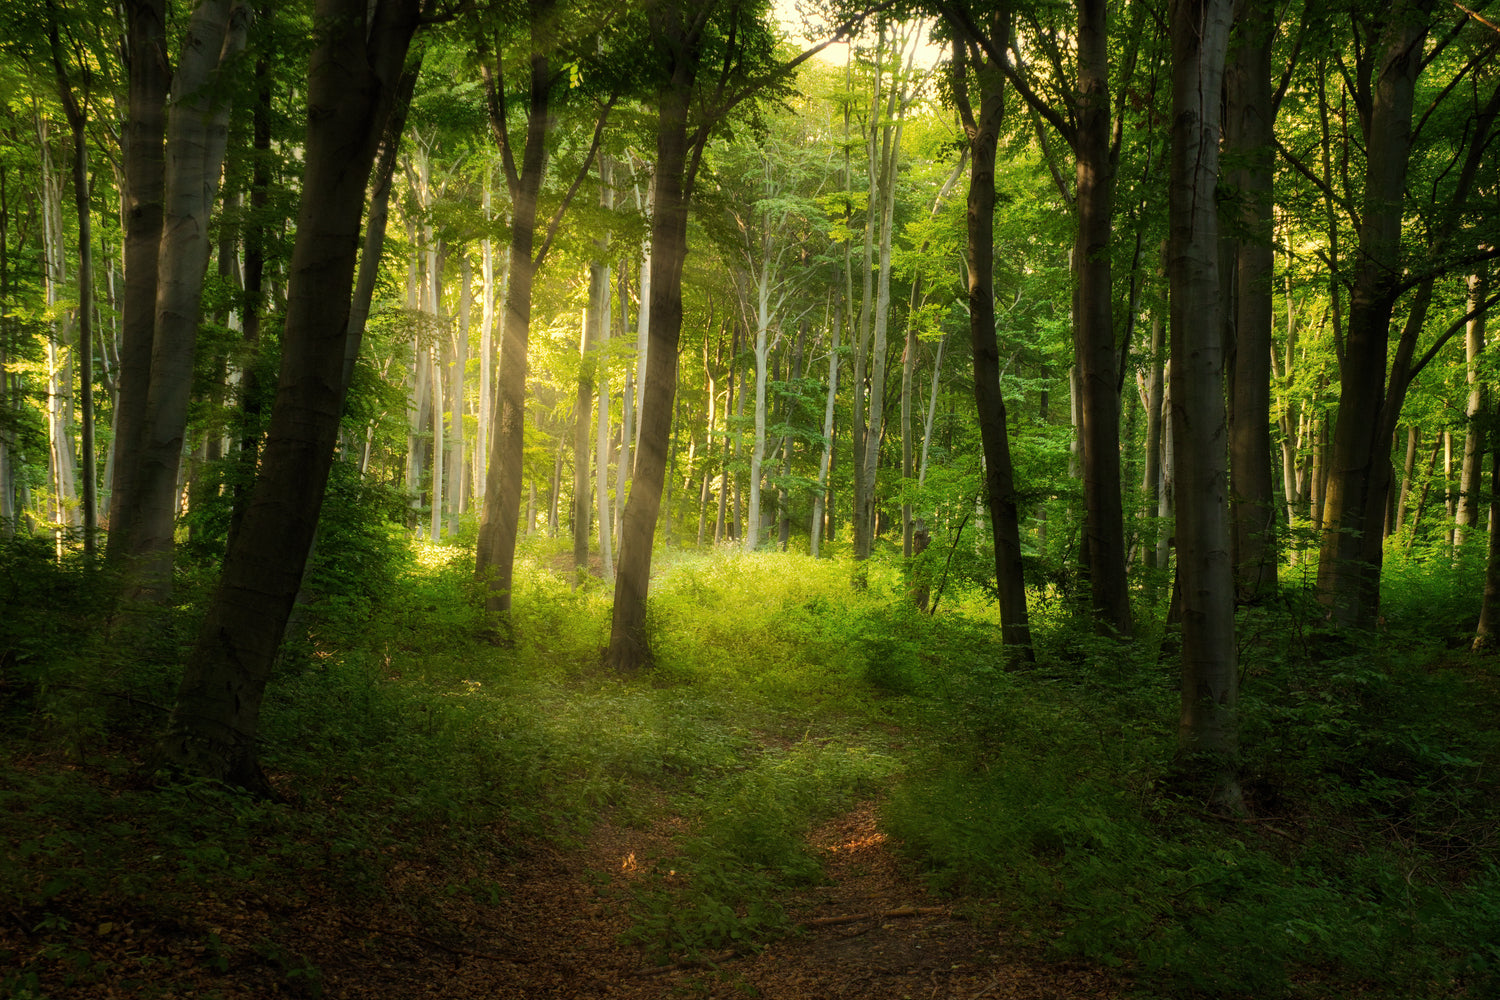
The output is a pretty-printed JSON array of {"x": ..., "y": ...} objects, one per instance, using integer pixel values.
[
  {"x": 353, "y": 79},
  {"x": 763, "y": 346},
  {"x": 486, "y": 409},
  {"x": 496, "y": 550},
  {"x": 1408, "y": 468},
  {"x": 1250, "y": 116},
  {"x": 554, "y": 495},
  {"x": 783, "y": 496},
  {"x": 983, "y": 132},
  {"x": 77, "y": 120},
  {"x": 890, "y": 153},
  {"x": 1478, "y": 405},
  {"x": 1485, "y": 635},
  {"x": 932, "y": 398},
  {"x": 627, "y": 412},
  {"x": 435, "y": 380},
  {"x": 583, "y": 411},
  {"x": 249, "y": 420},
  {"x": 676, "y": 163},
  {"x": 597, "y": 330},
  {"x": 7, "y": 469},
  {"x": 1151, "y": 482},
  {"x": 1166, "y": 503},
  {"x": 61, "y": 470},
  {"x": 825, "y": 463},
  {"x": 457, "y": 468},
  {"x": 1449, "y": 505},
  {"x": 1209, "y": 730},
  {"x": 1094, "y": 338},
  {"x": 724, "y": 483}
]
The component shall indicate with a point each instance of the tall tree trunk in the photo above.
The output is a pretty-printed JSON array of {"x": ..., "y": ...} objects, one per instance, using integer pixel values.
[
  {"x": 496, "y": 550},
  {"x": 826, "y": 461},
  {"x": 583, "y": 410},
  {"x": 597, "y": 330},
  {"x": 1208, "y": 731},
  {"x": 1487, "y": 633},
  {"x": 1354, "y": 505},
  {"x": 143, "y": 140},
  {"x": 1408, "y": 469},
  {"x": 486, "y": 354},
  {"x": 1250, "y": 115},
  {"x": 353, "y": 77},
  {"x": 197, "y": 133},
  {"x": 77, "y": 120},
  {"x": 932, "y": 398},
  {"x": 458, "y": 446},
  {"x": 983, "y": 132},
  {"x": 1478, "y": 405},
  {"x": 1152, "y": 477},
  {"x": 882, "y": 208},
  {"x": 7, "y": 468},
  {"x": 257, "y": 229},
  {"x": 1094, "y": 339},
  {"x": 627, "y": 411},
  {"x": 435, "y": 380},
  {"x": 763, "y": 347},
  {"x": 61, "y": 465},
  {"x": 676, "y": 164}
]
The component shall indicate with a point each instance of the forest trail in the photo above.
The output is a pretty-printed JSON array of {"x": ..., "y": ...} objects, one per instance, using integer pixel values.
[{"x": 871, "y": 932}]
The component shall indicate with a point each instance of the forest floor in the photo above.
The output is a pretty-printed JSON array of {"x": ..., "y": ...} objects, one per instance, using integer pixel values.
[{"x": 541, "y": 922}]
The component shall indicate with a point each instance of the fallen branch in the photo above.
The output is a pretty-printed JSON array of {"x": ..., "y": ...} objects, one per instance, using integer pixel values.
[{"x": 849, "y": 918}]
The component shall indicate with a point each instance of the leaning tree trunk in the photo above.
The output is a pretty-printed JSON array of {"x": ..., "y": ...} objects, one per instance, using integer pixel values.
[
  {"x": 197, "y": 133},
  {"x": 1208, "y": 731},
  {"x": 353, "y": 80}
]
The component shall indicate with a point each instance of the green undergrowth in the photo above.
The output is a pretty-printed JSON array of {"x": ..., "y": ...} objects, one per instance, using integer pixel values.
[{"x": 785, "y": 692}]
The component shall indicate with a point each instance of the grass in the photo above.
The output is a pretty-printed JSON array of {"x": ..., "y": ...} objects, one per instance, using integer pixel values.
[{"x": 783, "y": 695}]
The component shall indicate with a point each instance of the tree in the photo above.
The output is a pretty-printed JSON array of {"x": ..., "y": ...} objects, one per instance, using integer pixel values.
[
  {"x": 1250, "y": 111},
  {"x": 1374, "y": 380},
  {"x": 681, "y": 37},
  {"x": 1208, "y": 731},
  {"x": 77, "y": 115},
  {"x": 495, "y": 560},
  {"x": 973, "y": 67},
  {"x": 143, "y": 507},
  {"x": 1084, "y": 123},
  {"x": 354, "y": 76}
]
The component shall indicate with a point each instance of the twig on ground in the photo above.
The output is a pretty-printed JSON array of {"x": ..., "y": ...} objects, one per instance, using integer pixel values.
[{"x": 849, "y": 918}]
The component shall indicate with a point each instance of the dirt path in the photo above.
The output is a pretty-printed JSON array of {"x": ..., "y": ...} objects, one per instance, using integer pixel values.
[
  {"x": 547, "y": 924},
  {"x": 871, "y": 933}
]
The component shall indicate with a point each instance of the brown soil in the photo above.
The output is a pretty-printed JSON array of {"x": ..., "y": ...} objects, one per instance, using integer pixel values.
[{"x": 546, "y": 925}]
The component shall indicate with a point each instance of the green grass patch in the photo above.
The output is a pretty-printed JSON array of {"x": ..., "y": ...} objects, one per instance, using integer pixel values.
[{"x": 785, "y": 692}]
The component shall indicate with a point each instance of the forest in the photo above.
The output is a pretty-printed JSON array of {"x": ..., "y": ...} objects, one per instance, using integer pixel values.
[{"x": 727, "y": 498}]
